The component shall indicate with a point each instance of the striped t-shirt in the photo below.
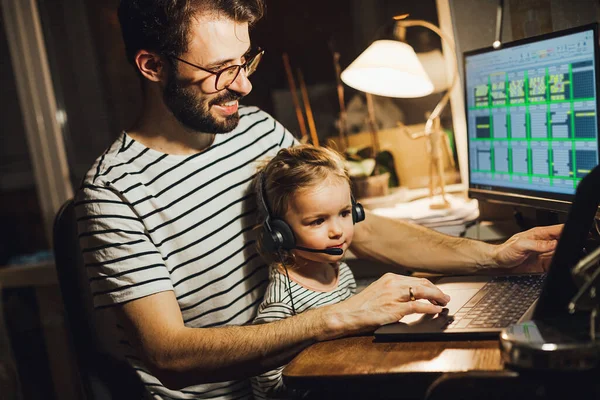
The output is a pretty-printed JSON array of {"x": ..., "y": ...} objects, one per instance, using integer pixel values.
[
  {"x": 277, "y": 305},
  {"x": 150, "y": 222}
]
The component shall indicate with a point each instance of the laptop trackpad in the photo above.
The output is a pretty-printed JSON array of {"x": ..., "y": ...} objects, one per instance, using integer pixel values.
[{"x": 460, "y": 290}]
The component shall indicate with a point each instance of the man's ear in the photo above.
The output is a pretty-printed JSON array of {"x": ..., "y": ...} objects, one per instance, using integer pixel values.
[{"x": 150, "y": 65}]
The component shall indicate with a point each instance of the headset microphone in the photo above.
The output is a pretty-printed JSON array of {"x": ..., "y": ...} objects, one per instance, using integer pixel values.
[{"x": 332, "y": 251}]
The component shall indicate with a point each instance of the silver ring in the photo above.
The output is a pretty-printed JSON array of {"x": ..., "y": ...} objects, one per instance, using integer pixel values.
[{"x": 411, "y": 294}]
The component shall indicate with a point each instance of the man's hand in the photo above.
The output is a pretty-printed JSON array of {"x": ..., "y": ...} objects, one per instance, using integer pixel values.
[
  {"x": 529, "y": 251},
  {"x": 387, "y": 300}
]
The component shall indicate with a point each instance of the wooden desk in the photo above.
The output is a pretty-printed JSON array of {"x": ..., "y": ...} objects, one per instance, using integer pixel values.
[{"x": 358, "y": 367}]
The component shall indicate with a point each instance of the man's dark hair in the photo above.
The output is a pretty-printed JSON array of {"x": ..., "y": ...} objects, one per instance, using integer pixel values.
[{"x": 163, "y": 26}]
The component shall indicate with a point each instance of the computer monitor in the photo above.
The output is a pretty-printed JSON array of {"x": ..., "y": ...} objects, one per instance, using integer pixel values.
[{"x": 532, "y": 118}]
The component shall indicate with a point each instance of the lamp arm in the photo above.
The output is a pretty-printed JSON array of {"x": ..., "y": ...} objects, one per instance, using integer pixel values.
[
  {"x": 401, "y": 24},
  {"x": 412, "y": 135}
]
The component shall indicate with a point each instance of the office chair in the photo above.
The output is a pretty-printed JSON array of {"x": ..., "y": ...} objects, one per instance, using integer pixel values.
[{"x": 102, "y": 376}]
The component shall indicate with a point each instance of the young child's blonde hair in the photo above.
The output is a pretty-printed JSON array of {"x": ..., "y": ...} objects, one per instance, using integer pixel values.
[{"x": 291, "y": 170}]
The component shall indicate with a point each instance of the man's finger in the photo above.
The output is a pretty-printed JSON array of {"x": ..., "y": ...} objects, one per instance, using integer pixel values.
[
  {"x": 420, "y": 307},
  {"x": 430, "y": 293},
  {"x": 538, "y": 246},
  {"x": 547, "y": 232},
  {"x": 426, "y": 282}
]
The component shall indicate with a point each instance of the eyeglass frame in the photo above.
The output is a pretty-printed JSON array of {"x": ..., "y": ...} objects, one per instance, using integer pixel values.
[{"x": 259, "y": 52}]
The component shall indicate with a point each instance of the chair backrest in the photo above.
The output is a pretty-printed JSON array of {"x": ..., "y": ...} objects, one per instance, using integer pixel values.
[{"x": 102, "y": 376}]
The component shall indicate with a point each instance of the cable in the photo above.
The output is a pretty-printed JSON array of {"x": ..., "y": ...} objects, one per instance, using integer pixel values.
[{"x": 289, "y": 281}]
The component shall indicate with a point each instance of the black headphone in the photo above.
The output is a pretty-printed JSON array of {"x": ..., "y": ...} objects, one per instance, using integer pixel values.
[{"x": 277, "y": 234}]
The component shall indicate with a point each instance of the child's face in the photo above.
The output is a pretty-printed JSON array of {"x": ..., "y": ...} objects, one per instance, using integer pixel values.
[{"x": 321, "y": 217}]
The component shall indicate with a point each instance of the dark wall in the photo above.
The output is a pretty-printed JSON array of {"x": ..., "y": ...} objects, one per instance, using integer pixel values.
[
  {"x": 306, "y": 30},
  {"x": 474, "y": 20}
]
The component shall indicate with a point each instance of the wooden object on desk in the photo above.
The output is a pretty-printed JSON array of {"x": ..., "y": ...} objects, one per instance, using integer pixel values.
[
  {"x": 437, "y": 145},
  {"x": 359, "y": 364},
  {"x": 294, "y": 93},
  {"x": 309, "y": 115},
  {"x": 410, "y": 156}
]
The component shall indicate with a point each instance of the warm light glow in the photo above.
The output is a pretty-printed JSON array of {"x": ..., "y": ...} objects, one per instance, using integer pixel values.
[
  {"x": 388, "y": 68},
  {"x": 549, "y": 347}
]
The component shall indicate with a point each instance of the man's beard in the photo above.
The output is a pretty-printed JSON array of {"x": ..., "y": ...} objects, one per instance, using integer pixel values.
[{"x": 194, "y": 112}]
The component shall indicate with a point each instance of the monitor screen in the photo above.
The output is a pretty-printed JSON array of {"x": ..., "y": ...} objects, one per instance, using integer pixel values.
[{"x": 532, "y": 119}]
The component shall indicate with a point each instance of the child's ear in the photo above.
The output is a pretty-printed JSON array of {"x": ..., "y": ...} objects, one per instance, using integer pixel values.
[{"x": 150, "y": 65}]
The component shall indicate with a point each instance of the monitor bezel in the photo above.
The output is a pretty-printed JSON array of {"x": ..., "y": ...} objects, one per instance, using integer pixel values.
[{"x": 507, "y": 195}]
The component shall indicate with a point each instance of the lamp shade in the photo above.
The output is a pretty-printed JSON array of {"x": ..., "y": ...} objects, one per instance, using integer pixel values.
[
  {"x": 388, "y": 68},
  {"x": 434, "y": 64}
]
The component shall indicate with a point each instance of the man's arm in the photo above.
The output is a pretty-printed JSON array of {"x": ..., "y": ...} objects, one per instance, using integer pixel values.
[
  {"x": 273, "y": 309},
  {"x": 180, "y": 356},
  {"x": 416, "y": 247}
]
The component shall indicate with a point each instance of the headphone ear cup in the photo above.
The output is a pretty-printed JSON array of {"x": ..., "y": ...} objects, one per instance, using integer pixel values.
[
  {"x": 270, "y": 240},
  {"x": 358, "y": 212},
  {"x": 288, "y": 240}
]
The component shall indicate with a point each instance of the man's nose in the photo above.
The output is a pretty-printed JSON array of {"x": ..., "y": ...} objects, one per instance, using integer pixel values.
[{"x": 241, "y": 84}]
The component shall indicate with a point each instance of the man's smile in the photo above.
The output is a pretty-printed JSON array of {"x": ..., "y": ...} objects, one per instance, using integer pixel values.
[{"x": 227, "y": 108}]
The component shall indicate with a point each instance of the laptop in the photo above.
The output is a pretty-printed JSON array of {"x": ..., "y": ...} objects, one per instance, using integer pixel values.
[{"x": 482, "y": 306}]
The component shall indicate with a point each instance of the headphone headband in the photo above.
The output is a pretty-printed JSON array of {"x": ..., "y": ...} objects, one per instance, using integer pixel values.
[{"x": 263, "y": 199}]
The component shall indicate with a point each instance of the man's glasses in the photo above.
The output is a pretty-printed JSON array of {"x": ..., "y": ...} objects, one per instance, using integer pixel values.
[{"x": 228, "y": 75}]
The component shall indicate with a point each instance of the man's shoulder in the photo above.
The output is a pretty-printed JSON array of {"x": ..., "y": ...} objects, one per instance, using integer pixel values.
[
  {"x": 105, "y": 161},
  {"x": 256, "y": 120},
  {"x": 259, "y": 123},
  {"x": 123, "y": 165},
  {"x": 253, "y": 113}
]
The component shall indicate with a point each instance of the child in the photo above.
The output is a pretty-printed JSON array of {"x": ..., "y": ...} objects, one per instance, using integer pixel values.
[{"x": 307, "y": 216}]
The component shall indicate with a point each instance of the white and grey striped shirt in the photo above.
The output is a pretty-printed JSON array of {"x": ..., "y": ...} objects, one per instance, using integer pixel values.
[
  {"x": 150, "y": 222},
  {"x": 277, "y": 305}
]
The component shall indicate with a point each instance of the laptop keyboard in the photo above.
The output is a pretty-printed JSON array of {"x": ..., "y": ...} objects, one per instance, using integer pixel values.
[{"x": 500, "y": 303}]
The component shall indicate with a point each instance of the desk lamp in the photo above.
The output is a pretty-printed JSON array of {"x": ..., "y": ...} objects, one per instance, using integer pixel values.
[
  {"x": 387, "y": 68},
  {"x": 391, "y": 68}
]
